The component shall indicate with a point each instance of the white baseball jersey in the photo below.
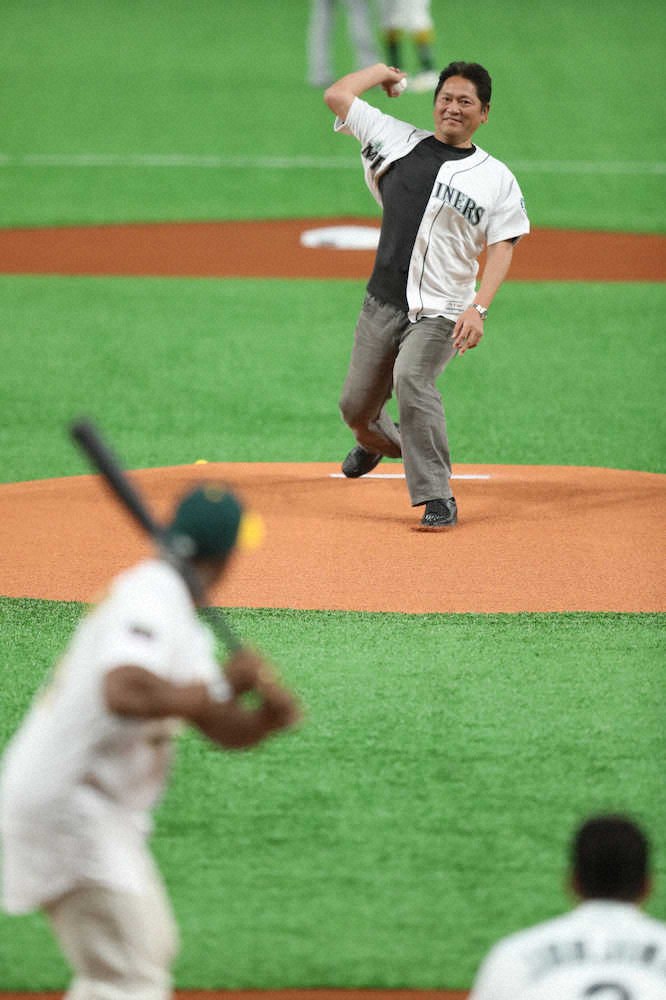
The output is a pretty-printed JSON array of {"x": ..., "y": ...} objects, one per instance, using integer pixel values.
[
  {"x": 410, "y": 15},
  {"x": 78, "y": 782},
  {"x": 602, "y": 950},
  {"x": 473, "y": 201}
]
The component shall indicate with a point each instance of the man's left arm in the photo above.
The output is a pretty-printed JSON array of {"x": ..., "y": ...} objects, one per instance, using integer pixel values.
[{"x": 468, "y": 330}]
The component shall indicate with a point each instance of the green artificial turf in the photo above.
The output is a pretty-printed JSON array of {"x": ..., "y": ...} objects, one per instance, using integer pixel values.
[
  {"x": 426, "y": 799},
  {"x": 227, "y": 80},
  {"x": 424, "y": 808},
  {"x": 180, "y": 369}
]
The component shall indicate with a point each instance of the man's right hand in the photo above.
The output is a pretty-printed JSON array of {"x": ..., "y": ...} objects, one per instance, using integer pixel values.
[
  {"x": 340, "y": 95},
  {"x": 393, "y": 76}
]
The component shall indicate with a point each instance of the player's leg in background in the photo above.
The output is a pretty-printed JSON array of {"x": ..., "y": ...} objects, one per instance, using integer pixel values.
[
  {"x": 320, "y": 43},
  {"x": 425, "y": 351},
  {"x": 368, "y": 385},
  {"x": 419, "y": 23},
  {"x": 423, "y": 40},
  {"x": 391, "y": 31},
  {"x": 393, "y": 47},
  {"x": 361, "y": 33},
  {"x": 118, "y": 943}
]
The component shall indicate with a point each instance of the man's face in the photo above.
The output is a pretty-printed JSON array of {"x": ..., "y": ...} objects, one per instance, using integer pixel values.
[{"x": 458, "y": 111}]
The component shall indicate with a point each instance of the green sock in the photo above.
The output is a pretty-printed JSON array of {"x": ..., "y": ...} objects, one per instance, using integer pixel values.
[
  {"x": 425, "y": 57},
  {"x": 393, "y": 52}
]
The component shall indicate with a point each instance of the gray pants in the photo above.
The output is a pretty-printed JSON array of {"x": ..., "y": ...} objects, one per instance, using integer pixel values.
[
  {"x": 390, "y": 352},
  {"x": 321, "y": 36}
]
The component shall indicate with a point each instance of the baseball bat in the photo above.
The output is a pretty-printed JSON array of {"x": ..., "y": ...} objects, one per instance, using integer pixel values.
[{"x": 102, "y": 458}]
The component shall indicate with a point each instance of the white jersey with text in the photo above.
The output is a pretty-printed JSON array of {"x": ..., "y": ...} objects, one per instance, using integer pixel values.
[
  {"x": 602, "y": 950},
  {"x": 78, "y": 781},
  {"x": 473, "y": 202}
]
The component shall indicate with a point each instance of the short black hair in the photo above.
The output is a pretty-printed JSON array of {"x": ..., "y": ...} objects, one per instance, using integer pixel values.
[
  {"x": 610, "y": 859},
  {"x": 472, "y": 71}
]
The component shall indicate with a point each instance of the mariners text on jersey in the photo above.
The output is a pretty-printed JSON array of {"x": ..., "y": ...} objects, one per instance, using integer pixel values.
[{"x": 458, "y": 200}]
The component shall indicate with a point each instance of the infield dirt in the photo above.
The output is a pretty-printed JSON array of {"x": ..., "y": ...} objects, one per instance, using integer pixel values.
[
  {"x": 529, "y": 538},
  {"x": 273, "y": 249}
]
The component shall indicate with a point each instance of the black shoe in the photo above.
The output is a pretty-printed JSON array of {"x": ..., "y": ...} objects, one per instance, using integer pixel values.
[
  {"x": 359, "y": 462},
  {"x": 439, "y": 514}
]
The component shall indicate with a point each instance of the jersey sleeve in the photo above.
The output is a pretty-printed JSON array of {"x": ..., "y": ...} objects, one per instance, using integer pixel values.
[
  {"x": 138, "y": 633},
  {"x": 383, "y": 139},
  {"x": 370, "y": 125},
  {"x": 149, "y": 623},
  {"x": 197, "y": 661},
  {"x": 509, "y": 219}
]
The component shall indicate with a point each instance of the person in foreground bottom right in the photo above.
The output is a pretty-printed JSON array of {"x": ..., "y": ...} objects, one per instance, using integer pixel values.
[{"x": 605, "y": 949}]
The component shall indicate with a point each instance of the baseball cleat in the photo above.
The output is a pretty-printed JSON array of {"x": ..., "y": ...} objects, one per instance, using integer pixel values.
[
  {"x": 439, "y": 514},
  {"x": 359, "y": 462}
]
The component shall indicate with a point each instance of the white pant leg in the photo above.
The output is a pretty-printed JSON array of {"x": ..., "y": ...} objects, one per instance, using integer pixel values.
[
  {"x": 120, "y": 944},
  {"x": 320, "y": 41},
  {"x": 361, "y": 33}
]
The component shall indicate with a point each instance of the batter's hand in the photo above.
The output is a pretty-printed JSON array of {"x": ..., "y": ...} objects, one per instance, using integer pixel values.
[
  {"x": 246, "y": 671},
  {"x": 280, "y": 708},
  {"x": 468, "y": 330}
]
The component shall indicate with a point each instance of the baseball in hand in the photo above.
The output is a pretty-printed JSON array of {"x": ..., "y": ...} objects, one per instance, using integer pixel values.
[{"x": 397, "y": 88}]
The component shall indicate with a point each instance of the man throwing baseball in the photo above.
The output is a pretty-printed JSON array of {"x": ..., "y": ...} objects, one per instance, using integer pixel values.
[
  {"x": 443, "y": 199},
  {"x": 91, "y": 759},
  {"x": 606, "y": 948}
]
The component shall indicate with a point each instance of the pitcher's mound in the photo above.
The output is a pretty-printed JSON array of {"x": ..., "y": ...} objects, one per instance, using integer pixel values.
[{"x": 530, "y": 538}]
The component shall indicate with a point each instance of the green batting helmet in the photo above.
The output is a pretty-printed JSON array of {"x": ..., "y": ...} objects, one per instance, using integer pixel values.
[{"x": 206, "y": 523}]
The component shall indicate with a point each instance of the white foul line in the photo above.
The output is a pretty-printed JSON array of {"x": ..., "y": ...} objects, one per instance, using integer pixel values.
[
  {"x": 215, "y": 162},
  {"x": 401, "y": 475}
]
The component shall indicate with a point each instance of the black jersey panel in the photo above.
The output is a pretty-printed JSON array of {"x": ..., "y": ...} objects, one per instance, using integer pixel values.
[{"x": 405, "y": 189}]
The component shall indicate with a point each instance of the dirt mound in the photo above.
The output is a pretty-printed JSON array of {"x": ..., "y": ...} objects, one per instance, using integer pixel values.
[{"x": 530, "y": 538}]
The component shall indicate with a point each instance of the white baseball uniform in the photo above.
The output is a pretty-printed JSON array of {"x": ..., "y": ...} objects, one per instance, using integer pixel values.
[
  {"x": 78, "y": 782},
  {"x": 410, "y": 15},
  {"x": 472, "y": 201},
  {"x": 321, "y": 35},
  {"x": 602, "y": 950}
]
